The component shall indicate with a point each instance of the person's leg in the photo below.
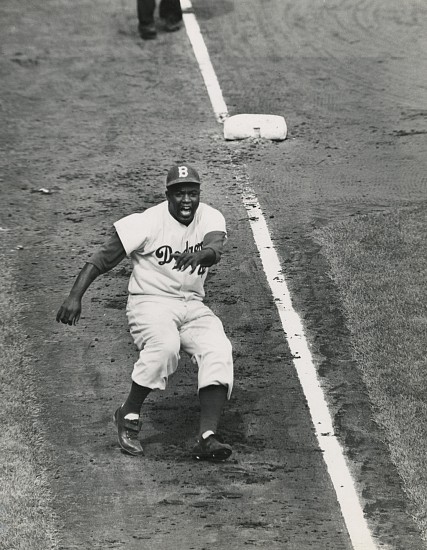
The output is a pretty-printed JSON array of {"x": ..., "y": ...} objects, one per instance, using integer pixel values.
[
  {"x": 212, "y": 400},
  {"x": 145, "y": 11},
  {"x": 204, "y": 339},
  {"x": 135, "y": 399},
  {"x": 154, "y": 330},
  {"x": 171, "y": 14}
]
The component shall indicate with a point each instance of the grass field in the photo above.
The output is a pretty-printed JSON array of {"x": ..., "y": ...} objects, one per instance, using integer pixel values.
[
  {"x": 379, "y": 264},
  {"x": 26, "y": 518}
]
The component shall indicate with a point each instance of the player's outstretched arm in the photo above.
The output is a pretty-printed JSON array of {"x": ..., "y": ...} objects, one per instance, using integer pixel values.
[
  {"x": 69, "y": 312},
  {"x": 209, "y": 254},
  {"x": 107, "y": 257}
]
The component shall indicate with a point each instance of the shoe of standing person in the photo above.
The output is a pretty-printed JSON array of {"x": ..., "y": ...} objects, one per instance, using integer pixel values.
[
  {"x": 172, "y": 25},
  {"x": 147, "y": 32}
]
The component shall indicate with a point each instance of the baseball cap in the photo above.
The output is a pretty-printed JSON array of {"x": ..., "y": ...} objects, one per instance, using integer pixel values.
[{"x": 182, "y": 173}]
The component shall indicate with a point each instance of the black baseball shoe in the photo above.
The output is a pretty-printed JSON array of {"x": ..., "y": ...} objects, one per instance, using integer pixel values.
[
  {"x": 172, "y": 24},
  {"x": 147, "y": 32},
  {"x": 211, "y": 449},
  {"x": 128, "y": 428}
]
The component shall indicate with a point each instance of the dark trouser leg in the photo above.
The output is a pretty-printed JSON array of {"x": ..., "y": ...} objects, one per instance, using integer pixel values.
[
  {"x": 212, "y": 401},
  {"x": 145, "y": 10},
  {"x": 170, "y": 10}
]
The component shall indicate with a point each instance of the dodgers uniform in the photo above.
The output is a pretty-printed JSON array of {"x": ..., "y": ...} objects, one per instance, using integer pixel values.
[
  {"x": 165, "y": 306},
  {"x": 171, "y": 246}
]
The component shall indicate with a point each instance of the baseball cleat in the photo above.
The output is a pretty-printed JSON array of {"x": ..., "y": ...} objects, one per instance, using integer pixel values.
[
  {"x": 211, "y": 449},
  {"x": 128, "y": 428}
]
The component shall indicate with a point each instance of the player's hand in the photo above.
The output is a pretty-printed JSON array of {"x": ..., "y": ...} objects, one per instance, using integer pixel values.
[
  {"x": 184, "y": 260},
  {"x": 69, "y": 312}
]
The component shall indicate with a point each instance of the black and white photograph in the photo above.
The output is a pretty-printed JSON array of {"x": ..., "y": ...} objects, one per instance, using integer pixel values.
[{"x": 213, "y": 275}]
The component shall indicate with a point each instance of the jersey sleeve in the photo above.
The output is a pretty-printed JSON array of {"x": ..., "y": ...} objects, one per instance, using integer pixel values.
[
  {"x": 132, "y": 232},
  {"x": 109, "y": 254},
  {"x": 215, "y": 240},
  {"x": 213, "y": 221}
]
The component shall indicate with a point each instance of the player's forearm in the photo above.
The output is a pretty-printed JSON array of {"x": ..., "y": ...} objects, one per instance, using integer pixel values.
[
  {"x": 214, "y": 242},
  {"x": 84, "y": 279},
  {"x": 209, "y": 257}
]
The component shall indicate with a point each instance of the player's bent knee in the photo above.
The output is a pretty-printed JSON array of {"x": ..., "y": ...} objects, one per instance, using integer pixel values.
[
  {"x": 165, "y": 349},
  {"x": 168, "y": 354}
]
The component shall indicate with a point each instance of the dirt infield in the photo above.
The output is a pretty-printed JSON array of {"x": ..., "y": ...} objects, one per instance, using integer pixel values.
[{"x": 92, "y": 119}]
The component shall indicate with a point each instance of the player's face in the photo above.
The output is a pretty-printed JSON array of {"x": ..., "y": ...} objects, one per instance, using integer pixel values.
[{"x": 183, "y": 201}]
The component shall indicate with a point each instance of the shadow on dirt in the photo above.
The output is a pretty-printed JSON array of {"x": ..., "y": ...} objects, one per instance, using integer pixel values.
[{"x": 211, "y": 10}]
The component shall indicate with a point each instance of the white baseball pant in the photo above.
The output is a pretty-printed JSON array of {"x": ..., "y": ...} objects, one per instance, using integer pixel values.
[{"x": 162, "y": 327}]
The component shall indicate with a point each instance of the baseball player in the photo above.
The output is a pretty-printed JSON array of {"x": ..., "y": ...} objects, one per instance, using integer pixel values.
[{"x": 171, "y": 246}]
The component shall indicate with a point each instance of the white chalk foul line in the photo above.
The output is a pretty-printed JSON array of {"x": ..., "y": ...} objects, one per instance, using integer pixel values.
[
  {"x": 204, "y": 61},
  {"x": 332, "y": 452}
]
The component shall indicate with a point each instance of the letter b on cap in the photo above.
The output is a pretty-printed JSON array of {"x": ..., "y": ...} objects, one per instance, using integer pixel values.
[{"x": 182, "y": 173}]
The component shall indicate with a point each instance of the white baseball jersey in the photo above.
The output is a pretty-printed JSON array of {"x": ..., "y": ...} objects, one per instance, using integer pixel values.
[{"x": 151, "y": 237}]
